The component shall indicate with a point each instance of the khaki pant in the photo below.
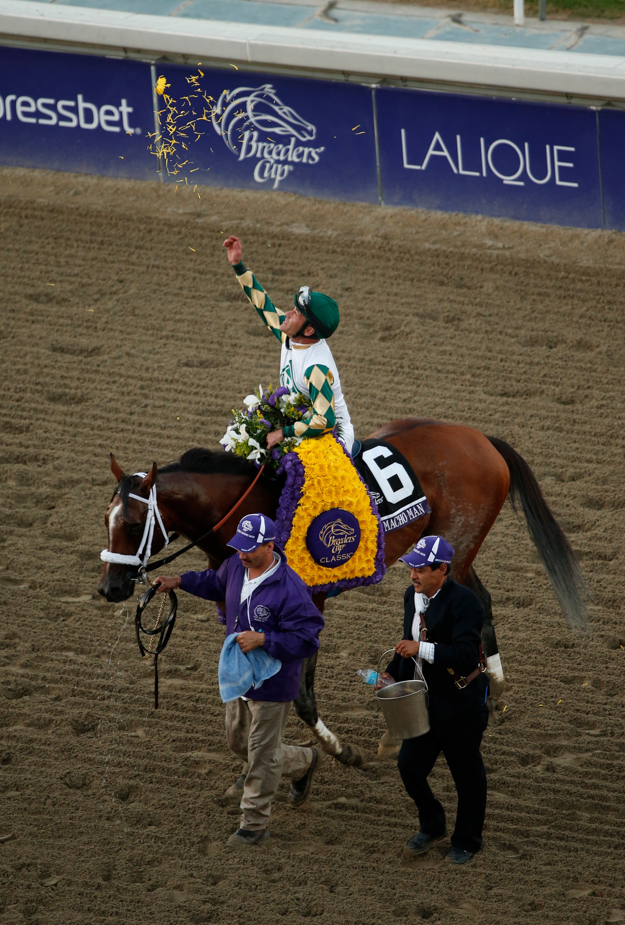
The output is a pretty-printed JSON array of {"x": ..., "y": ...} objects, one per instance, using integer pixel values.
[{"x": 254, "y": 733}]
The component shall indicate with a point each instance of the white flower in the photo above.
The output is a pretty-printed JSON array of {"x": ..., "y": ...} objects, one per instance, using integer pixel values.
[
  {"x": 229, "y": 441},
  {"x": 252, "y": 401},
  {"x": 243, "y": 432}
]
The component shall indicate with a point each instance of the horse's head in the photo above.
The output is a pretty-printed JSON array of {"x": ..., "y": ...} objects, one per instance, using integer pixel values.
[{"x": 125, "y": 522}]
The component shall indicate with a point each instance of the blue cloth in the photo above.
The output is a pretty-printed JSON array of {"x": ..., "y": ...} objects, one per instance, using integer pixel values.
[
  {"x": 238, "y": 671},
  {"x": 281, "y": 607}
]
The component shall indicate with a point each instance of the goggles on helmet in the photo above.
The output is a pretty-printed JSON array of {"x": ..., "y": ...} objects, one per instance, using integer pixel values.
[{"x": 303, "y": 299}]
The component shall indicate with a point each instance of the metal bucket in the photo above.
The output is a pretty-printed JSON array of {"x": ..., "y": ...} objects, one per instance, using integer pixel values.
[{"x": 404, "y": 705}]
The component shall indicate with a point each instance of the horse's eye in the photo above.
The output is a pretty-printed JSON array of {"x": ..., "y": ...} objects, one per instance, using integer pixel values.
[{"x": 135, "y": 529}]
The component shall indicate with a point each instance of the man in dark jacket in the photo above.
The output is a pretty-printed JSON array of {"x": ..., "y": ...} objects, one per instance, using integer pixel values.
[
  {"x": 442, "y": 627},
  {"x": 267, "y": 606}
]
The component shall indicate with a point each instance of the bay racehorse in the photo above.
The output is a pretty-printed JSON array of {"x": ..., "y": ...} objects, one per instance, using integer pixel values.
[{"x": 466, "y": 477}]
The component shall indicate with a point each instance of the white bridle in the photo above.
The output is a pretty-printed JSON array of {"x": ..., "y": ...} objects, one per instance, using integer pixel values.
[{"x": 153, "y": 517}]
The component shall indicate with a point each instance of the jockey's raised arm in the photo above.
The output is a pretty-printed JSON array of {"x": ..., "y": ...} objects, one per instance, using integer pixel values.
[
  {"x": 268, "y": 312},
  {"x": 307, "y": 364}
]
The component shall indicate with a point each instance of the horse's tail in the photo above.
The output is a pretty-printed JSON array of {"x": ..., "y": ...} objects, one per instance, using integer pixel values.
[{"x": 552, "y": 545}]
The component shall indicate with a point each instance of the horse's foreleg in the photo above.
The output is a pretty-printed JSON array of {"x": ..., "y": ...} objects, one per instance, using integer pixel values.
[
  {"x": 497, "y": 682},
  {"x": 306, "y": 707}
]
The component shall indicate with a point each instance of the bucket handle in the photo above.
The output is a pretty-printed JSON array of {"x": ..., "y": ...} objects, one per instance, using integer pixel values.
[{"x": 417, "y": 670}]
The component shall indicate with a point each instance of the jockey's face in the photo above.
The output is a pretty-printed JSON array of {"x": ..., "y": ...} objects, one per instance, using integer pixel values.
[
  {"x": 426, "y": 581},
  {"x": 259, "y": 559},
  {"x": 293, "y": 322}
]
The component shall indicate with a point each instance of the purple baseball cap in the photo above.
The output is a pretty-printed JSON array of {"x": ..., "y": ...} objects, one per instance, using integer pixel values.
[
  {"x": 428, "y": 551},
  {"x": 252, "y": 532}
]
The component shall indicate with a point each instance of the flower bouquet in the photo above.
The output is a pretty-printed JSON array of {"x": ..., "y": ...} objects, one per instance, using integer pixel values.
[{"x": 264, "y": 411}]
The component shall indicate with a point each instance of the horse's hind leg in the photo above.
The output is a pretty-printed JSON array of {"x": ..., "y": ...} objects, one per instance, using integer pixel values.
[
  {"x": 306, "y": 707},
  {"x": 497, "y": 682}
]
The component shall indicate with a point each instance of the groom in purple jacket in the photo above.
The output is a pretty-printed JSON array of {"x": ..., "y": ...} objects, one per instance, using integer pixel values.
[{"x": 268, "y": 606}]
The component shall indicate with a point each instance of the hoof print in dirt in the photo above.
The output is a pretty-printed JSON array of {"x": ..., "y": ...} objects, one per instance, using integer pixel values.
[
  {"x": 75, "y": 780},
  {"x": 84, "y": 724}
]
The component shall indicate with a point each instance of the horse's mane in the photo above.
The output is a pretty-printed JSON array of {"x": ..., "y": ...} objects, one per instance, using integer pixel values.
[
  {"x": 197, "y": 459},
  {"x": 211, "y": 462}
]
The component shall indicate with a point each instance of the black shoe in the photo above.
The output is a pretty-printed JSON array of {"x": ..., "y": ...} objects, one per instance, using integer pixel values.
[
  {"x": 243, "y": 838},
  {"x": 422, "y": 842},
  {"x": 299, "y": 789},
  {"x": 459, "y": 856}
]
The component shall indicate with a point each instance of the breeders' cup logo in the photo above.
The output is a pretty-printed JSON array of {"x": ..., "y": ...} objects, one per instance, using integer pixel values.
[
  {"x": 262, "y": 613},
  {"x": 333, "y": 537},
  {"x": 250, "y": 119},
  {"x": 246, "y": 526}
]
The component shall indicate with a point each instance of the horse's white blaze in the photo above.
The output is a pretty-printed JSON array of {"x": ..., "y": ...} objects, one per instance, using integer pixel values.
[
  {"x": 494, "y": 669},
  {"x": 112, "y": 520},
  {"x": 328, "y": 740}
]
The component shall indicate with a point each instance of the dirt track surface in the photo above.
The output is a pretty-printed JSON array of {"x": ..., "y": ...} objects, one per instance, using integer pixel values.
[{"x": 116, "y": 335}]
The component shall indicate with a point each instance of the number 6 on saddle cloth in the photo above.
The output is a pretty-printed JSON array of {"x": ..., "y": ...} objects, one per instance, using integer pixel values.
[{"x": 161, "y": 629}]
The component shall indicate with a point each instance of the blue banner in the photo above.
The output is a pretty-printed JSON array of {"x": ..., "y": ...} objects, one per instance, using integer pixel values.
[
  {"x": 228, "y": 128},
  {"x": 612, "y": 148},
  {"x": 79, "y": 113},
  {"x": 260, "y": 131},
  {"x": 532, "y": 161}
]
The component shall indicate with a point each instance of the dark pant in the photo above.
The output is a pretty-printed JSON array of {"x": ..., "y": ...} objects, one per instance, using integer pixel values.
[{"x": 459, "y": 740}]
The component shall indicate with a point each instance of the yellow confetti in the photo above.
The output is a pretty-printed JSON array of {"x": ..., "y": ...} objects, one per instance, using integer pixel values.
[
  {"x": 121, "y": 157},
  {"x": 234, "y": 66},
  {"x": 201, "y": 72},
  {"x": 90, "y": 309},
  {"x": 540, "y": 704},
  {"x": 194, "y": 169},
  {"x": 192, "y": 249},
  {"x": 360, "y": 133},
  {"x": 51, "y": 284},
  {"x": 559, "y": 701},
  {"x": 355, "y": 127},
  {"x": 161, "y": 84},
  {"x": 506, "y": 707},
  {"x": 129, "y": 133},
  {"x": 178, "y": 418}
]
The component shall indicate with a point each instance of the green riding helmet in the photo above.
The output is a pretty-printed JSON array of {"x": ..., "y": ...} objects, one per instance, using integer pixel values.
[{"x": 319, "y": 309}]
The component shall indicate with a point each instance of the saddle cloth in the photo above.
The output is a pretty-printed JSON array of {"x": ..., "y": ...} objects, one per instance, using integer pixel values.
[{"x": 392, "y": 484}]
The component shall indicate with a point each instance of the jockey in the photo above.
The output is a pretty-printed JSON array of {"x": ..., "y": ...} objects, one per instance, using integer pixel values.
[{"x": 306, "y": 363}]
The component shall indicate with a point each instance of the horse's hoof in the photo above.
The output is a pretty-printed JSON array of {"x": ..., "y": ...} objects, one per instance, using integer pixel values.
[
  {"x": 351, "y": 756},
  {"x": 496, "y": 687},
  {"x": 235, "y": 791},
  {"x": 388, "y": 747}
]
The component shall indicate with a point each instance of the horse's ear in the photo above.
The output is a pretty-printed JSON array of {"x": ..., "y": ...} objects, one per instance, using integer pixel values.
[
  {"x": 150, "y": 478},
  {"x": 116, "y": 469}
]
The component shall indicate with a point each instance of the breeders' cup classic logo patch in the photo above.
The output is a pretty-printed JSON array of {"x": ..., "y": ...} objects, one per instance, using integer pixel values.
[
  {"x": 250, "y": 119},
  {"x": 261, "y": 613},
  {"x": 246, "y": 525},
  {"x": 333, "y": 537}
]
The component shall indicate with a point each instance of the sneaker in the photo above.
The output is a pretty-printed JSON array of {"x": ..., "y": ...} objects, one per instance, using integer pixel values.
[
  {"x": 299, "y": 789},
  {"x": 422, "y": 842},
  {"x": 459, "y": 856},
  {"x": 243, "y": 838}
]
